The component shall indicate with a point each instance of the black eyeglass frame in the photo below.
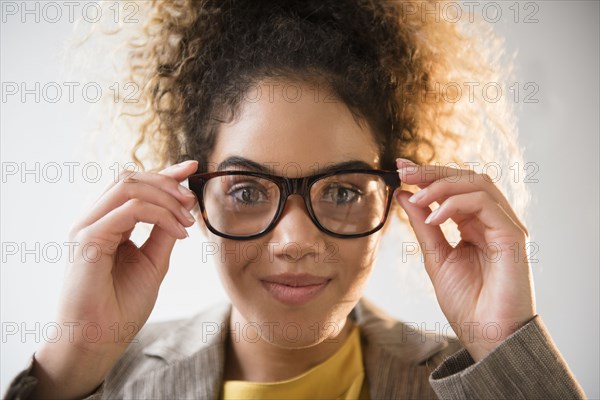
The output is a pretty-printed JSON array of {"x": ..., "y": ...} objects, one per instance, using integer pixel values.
[{"x": 287, "y": 187}]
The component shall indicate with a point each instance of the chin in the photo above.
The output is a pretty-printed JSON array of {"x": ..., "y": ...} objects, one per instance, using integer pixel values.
[
  {"x": 297, "y": 334},
  {"x": 296, "y": 327}
]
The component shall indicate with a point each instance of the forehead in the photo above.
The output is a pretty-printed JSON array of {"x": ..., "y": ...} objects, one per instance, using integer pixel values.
[{"x": 285, "y": 124}]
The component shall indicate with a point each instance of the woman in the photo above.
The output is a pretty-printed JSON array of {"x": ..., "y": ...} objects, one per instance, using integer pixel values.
[{"x": 294, "y": 118}]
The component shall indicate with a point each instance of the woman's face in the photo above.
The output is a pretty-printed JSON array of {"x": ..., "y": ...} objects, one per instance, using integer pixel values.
[{"x": 293, "y": 131}]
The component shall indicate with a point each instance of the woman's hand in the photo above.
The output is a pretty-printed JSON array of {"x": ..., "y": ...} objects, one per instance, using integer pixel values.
[
  {"x": 483, "y": 284},
  {"x": 111, "y": 286}
]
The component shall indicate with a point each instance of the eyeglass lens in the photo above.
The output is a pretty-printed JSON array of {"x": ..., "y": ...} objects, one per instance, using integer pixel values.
[{"x": 243, "y": 205}]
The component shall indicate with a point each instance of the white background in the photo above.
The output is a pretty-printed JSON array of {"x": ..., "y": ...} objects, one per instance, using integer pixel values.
[{"x": 559, "y": 53}]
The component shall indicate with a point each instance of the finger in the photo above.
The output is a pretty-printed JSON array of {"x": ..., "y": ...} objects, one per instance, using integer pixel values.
[
  {"x": 173, "y": 171},
  {"x": 181, "y": 171},
  {"x": 169, "y": 180},
  {"x": 109, "y": 229},
  {"x": 454, "y": 181},
  {"x": 124, "y": 192},
  {"x": 440, "y": 190},
  {"x": 484, "y": 207},
  {"x": 432, "y": 241},
  {"x": 442, "y": 181},
  {"x": 158, "y": 248},
  {"x": 413, "y": 174},
  {"x": 129, "y": 186},
  {"x": 159, "y": 245},
  {"x": 123, "y": 175}
]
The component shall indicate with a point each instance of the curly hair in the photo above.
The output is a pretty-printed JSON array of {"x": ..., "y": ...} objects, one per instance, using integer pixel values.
[{"x": 395, "y": 66}]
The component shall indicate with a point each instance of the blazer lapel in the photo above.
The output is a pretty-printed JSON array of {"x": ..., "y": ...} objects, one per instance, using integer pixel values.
[
  {"x": 394, "y": 355},
  {"x": 194, "y": 356},
  {"x": 194, "y": 377}
]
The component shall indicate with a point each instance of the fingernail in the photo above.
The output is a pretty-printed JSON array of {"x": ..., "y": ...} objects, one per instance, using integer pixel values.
[
  {"x": 182, "y": 229},
  {"x": 430, "y": 216},
  {"x": 186, "y": 192},
  {"x": 417, "y": 196},
  {"x": 403, "y": 161},
  {"x": 187, "y": 215},
  {"x": 408, "y": 169},
  {"x": 185, "y": 163}
]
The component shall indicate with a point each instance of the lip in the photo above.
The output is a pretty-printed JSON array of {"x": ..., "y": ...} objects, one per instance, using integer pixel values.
[{"x": 294, "y": 289}]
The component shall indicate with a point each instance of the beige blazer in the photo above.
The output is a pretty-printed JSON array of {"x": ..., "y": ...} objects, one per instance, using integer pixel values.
[{"x": 184, "y": 359}]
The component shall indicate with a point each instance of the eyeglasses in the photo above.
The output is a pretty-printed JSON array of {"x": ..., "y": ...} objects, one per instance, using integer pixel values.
[{"x": 246, "y": 205}]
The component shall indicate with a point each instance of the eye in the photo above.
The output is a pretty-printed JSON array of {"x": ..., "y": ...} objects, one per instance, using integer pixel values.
[
  {"x": 248, "y": 194},
  {"x": 340, "y": 194}
]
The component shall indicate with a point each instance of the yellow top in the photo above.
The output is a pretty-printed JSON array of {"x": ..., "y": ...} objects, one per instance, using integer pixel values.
[{"x": 341, "y": 376}]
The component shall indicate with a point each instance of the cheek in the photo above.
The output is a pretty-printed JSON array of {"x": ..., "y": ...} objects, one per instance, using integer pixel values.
[
  {"x": 355, "y": 258},
  {"x": 228, "y": 257},
  {"x": 237, "y": 263}
]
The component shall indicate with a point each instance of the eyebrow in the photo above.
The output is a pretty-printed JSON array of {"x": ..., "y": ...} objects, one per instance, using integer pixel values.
[{"x": 236, "y": 162}]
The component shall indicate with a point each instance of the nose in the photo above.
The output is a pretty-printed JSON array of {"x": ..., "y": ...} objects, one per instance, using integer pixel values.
[{"x": 295, "y": 234}]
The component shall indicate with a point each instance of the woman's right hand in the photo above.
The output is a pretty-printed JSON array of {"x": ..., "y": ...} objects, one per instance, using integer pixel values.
[{"x": 111, "y": 285}]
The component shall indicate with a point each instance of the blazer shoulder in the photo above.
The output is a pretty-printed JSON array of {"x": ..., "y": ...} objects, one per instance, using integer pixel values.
[{"x": 159, "y": 344}]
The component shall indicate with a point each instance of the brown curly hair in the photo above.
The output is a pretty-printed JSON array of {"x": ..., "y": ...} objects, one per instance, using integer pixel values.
[{"x": 386, "y": 60}]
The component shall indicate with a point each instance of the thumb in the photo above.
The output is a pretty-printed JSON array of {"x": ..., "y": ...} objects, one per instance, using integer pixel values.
[
  {"x": 158, "y": 248},
  {"x": 160, "y": 243},
  {"x": 181, "y": 171},
  {"x": 432, "y": 241}
]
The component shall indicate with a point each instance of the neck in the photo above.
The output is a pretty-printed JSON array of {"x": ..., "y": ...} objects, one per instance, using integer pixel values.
[{"x": 261, "y": 361}]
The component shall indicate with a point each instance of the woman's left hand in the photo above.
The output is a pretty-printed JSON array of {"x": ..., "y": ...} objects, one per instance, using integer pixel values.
[{"x": 483, "y": 284}]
